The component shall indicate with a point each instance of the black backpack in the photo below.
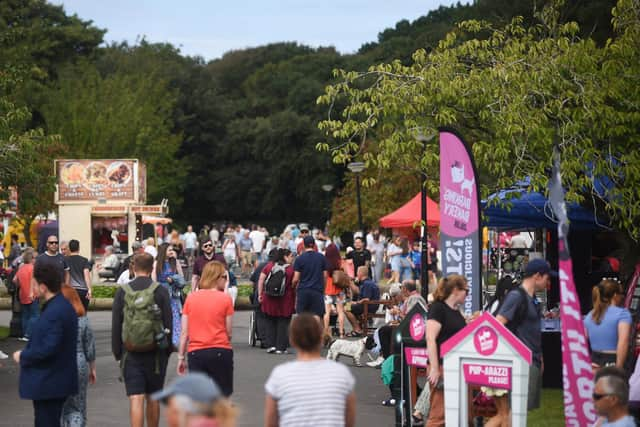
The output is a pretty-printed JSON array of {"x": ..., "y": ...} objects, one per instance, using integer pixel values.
[{"x": 275, "y": 283}]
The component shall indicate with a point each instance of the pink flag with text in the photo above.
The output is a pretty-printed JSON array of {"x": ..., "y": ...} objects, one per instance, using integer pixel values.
[{"x": 577, "y": 376}]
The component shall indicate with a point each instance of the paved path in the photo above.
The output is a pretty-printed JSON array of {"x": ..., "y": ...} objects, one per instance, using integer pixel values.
[{"x": 108, "y": 406}]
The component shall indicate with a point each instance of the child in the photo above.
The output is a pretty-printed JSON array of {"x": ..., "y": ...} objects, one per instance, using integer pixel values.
[{"x": 416, "y": 259}]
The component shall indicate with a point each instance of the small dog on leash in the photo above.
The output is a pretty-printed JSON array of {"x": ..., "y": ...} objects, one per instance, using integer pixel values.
[{"x": 352, "y": 348}]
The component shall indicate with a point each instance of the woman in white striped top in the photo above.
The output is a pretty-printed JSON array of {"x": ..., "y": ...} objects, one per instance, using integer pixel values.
[{"x": 309, "y": 391}]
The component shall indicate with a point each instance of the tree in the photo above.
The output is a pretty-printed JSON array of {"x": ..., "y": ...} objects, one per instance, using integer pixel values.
[
  {"x": 515, "y": 92},
  {"x": 25, "y": 155},
  {"x": 122, "y": 114}
]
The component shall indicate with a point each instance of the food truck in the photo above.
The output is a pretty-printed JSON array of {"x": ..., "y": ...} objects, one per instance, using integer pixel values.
[{"x": 101, "y": 203}]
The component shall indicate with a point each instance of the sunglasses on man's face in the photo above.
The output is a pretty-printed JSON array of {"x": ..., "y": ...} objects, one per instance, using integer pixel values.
[
  {"x": 207, "y": 245},
  {"x": 598, "y": 396}
]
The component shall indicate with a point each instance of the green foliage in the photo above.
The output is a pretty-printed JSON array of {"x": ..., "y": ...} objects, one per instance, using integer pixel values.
[
  {"x": 514, "y": 92},
  {"x": 121, "y": 114}
]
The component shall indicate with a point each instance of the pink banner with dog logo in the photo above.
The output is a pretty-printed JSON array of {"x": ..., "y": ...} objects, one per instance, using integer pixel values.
[
  {"x": 487, "y": 375},
  {"x": 416, "y": 356},
  {"x": 460, "y": 216},
  {"x": 577, "y": 376}
]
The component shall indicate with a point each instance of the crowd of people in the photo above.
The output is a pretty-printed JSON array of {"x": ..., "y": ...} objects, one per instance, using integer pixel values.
[{"x": 307, "y": 295}]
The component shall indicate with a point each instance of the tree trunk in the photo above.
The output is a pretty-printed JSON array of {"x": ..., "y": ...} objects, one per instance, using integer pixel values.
[{"x": 27, "y": 230}]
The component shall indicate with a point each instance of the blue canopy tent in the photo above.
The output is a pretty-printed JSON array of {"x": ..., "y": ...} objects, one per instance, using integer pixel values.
[{"x": 532, "y": 210}]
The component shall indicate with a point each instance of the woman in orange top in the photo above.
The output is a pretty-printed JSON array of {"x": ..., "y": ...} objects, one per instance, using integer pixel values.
[
  {"x": 333, "y": 295},
  {"x": 207, "y": 317},
  {"x": 28, "y": 296}
]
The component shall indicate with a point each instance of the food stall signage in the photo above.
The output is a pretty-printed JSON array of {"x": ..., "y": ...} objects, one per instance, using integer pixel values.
[{"x": 89, "y": 180}]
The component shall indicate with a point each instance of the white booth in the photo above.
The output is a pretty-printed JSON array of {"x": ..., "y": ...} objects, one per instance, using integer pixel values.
[{"x": 485, "y": 353}]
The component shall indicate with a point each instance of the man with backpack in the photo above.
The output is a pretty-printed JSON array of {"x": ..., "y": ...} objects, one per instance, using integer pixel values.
[
  {"x": 141, "y": 339},
  {"x": 521, "y": 313}
]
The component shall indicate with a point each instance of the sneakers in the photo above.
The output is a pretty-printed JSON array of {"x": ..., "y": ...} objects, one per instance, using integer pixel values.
[
  {"x": 282, "y": 352},
  {"x": 3, "y": 355},
  {"x": 271, "y": 350},
  {"x": 376, "y": 363},
  {"x": 25, "y": 339}
]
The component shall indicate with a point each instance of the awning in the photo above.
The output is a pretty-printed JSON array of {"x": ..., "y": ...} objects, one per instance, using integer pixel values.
[
  {"x": 148, "y": 219},
  {"x": 409, "y": 215}
]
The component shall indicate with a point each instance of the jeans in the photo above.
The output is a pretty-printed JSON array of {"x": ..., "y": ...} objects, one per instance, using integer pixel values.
[{"x": 30, "y": 313}]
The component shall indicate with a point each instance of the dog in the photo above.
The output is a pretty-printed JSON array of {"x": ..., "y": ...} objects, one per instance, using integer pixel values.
[{"x": 353, "y": 348}]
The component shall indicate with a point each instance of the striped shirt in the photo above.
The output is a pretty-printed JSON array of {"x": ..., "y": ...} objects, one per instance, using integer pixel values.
[{"x": 310, "y": 393}]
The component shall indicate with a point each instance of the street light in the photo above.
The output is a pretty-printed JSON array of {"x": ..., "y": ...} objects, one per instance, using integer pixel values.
[
  {"x": 357, "y": 168},
  {"x": 327, "y": 187},
  {"x": 424, "y": 252}
]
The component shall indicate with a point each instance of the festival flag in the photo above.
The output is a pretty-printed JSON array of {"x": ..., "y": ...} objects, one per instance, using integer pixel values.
[
  {"x": 460, "y": 238},
  {"x": 577, "y": 376}
]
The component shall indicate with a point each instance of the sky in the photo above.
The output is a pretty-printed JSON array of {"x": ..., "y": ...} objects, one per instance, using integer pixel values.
[{"x": 209, "y": 28}]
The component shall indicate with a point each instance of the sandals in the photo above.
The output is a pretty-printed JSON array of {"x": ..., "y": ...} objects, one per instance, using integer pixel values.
[
  {"x": 355, "y": 334},
  {"x": 389, "y": 402},
  {"x": 416, "y": 422}
]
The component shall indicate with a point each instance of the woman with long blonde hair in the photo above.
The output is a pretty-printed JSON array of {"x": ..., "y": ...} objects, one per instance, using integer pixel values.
[
  {"x": 205, "y": 338},
  {"x": 608, "y": 326}
]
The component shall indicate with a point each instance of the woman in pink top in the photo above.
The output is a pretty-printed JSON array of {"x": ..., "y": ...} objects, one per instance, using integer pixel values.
[
  {"x": 207, "y": 317},
  {"x": 28, "y": 297}
]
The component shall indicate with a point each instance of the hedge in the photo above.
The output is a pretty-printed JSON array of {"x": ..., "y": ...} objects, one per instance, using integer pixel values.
[{"x": 109, "y": 291}]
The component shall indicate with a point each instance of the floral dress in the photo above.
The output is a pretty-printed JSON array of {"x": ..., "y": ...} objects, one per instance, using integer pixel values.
[
  {"x": 74, "y": 410},
  {"x": 176, "y": 302}
]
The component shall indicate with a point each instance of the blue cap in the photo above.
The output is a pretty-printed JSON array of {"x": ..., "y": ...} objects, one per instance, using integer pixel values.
[
  {"x": 194, "y": 385},
  {"x": 309, "y": 241},
  {"x": 541, "y": 266}
]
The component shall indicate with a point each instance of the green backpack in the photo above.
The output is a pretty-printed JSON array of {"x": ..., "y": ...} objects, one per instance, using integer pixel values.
[{"x": 142, "y": 319}]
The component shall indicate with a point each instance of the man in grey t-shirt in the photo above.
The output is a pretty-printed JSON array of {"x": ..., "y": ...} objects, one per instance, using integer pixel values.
[{"x": 526, "y": 324}]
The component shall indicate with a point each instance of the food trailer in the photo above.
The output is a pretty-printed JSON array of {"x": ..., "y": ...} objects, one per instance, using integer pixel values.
[{"x": 101, "y": 203}]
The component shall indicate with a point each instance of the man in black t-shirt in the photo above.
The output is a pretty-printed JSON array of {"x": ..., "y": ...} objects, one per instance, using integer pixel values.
[
  {"x": 360, "y": 255},
  {"x": 53, "y": 257},
  {"x": 79, "y": 277}
]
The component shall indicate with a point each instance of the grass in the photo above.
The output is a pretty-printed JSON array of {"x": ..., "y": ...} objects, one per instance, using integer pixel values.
[
  {"x": 4, "y": 332},
  {"x": 551, "y": 411}
]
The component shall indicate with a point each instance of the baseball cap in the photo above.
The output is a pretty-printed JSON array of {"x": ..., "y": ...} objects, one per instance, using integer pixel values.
[
  {"x": 309, "y": 240},
  {"x": 541, "y": 266},
  {"x": 136, "y": 245},
  {"x": 194, "y": 385},
  {"x": 304, "y": 227}
]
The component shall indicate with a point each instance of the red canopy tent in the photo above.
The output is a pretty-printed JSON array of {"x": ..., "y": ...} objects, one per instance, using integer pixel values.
[{"x": 409, "y": 215}]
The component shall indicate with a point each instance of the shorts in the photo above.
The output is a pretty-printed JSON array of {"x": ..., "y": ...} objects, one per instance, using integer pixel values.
[
  {"x": 310, "y": 301},
  {"x": 535, "y": 387},
  {"x": 246, "y": 257},
  {"x": 140, "y": 375},
  {"x": 334, "y": 299}
]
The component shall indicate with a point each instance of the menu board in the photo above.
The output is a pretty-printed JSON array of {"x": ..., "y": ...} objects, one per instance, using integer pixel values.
[{"x": 88, "y": 180}]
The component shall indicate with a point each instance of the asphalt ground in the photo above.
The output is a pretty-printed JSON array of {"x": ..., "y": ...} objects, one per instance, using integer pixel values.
[{"x": 108, "y": 405}]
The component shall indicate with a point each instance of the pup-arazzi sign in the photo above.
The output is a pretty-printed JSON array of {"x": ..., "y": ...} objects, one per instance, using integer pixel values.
[{"x": 460, "y": 216}]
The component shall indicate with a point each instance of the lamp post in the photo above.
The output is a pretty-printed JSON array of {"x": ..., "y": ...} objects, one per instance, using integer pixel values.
[
  {"x": 424, "y": 241},
  {"x": 357, "y": 168},
  {"x": 327, "y": 189}
]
